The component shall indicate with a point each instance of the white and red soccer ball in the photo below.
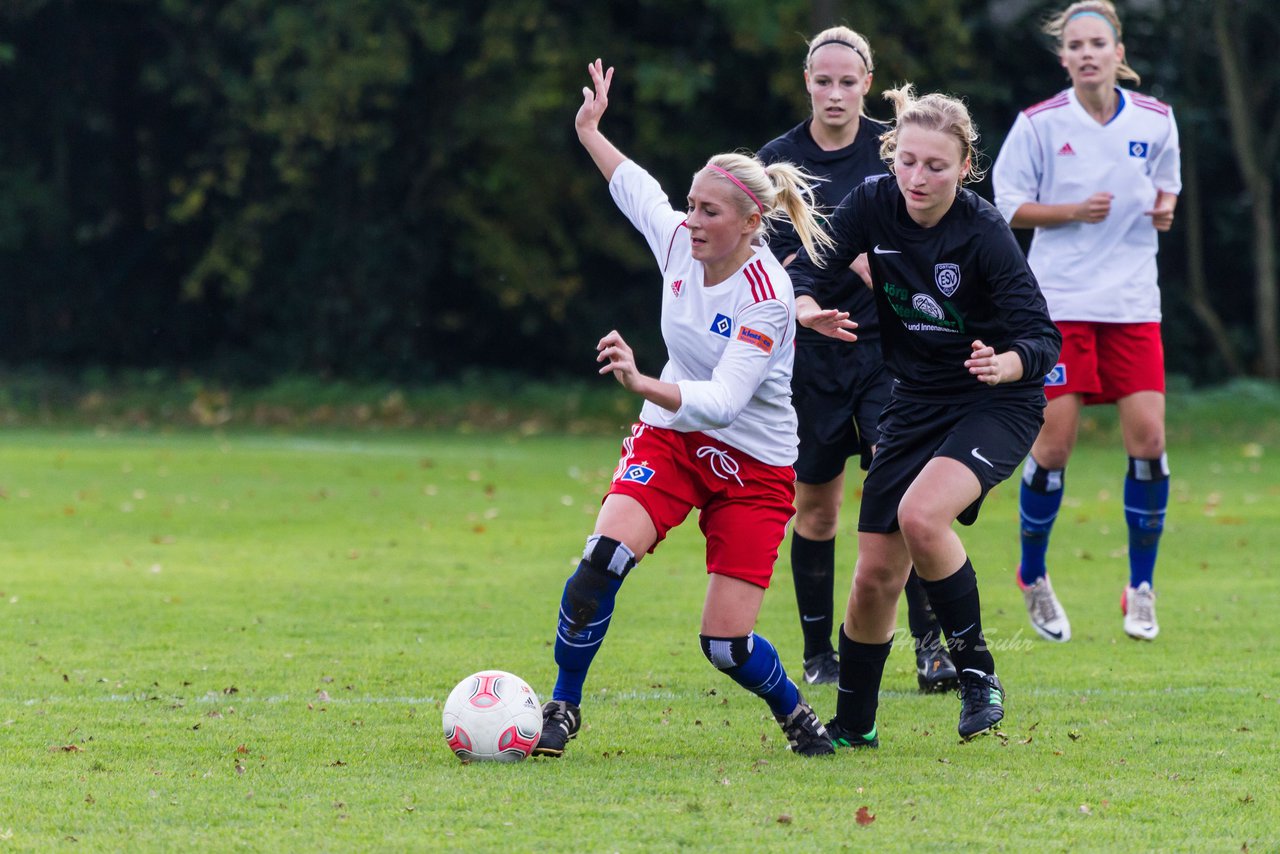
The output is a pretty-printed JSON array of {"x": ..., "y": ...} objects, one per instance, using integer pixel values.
[{"x": 492, "y": 716}]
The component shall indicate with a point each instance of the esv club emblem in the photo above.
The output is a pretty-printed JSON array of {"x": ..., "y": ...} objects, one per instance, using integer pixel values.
[{"x": 947, "y": 278}]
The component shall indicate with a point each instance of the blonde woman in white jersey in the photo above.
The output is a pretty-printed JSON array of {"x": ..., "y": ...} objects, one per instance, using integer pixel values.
[
  {"x": 717, "y": 430},
  {"x": 1095, "y": 170}
]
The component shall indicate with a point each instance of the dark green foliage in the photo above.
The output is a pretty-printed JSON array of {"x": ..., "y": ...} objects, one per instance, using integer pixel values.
[{"x": 393, "y": 189}]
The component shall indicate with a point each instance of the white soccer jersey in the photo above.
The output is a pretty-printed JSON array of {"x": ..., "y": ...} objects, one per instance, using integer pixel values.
[
  {"x": 730, "y": 347},
  {"x": 1057, "y": 153}
]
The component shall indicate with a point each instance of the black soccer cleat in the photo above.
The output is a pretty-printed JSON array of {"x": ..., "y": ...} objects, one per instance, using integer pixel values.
[
  {"x": 560, "y": 722},
  {"x": 805, "y": 733},
  {"x": 842, "y": 737},
  {"x": 935, "y": 671},
  {"x": 822, "y": 669},
  {"x": 981, "y": 702}
]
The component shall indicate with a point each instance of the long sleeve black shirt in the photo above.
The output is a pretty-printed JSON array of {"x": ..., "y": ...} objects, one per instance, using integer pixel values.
[
  {"x": 938, "y": 289},
  {"x": 843, "y": 169}
]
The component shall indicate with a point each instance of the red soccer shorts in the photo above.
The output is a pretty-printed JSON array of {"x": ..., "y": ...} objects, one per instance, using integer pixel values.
[
  {"x": 745, "y": 504},
  {"x": 1104, "y": 362}
]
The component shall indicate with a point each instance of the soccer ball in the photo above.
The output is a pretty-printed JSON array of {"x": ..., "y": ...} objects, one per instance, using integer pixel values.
[{"x": 492, "y": 716}]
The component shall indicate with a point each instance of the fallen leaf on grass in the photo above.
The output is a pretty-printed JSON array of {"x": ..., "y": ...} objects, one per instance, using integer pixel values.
[
  {"x": 65, "y": 748},
  {"x": 784, "y": 819},
  {"x": 864, "y": 816}
]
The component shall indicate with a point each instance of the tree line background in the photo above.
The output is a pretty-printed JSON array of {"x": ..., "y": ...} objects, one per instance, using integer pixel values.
[{"x": 392, "y": 189}]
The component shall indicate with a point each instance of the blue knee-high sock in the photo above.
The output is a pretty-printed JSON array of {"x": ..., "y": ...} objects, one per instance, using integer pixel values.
[
  {"x": 1146, "y": 498},
  {"x": 753, "y": 663},
  {"x": 1038, "y": 504},
  {"x": 586, "y": 608}
]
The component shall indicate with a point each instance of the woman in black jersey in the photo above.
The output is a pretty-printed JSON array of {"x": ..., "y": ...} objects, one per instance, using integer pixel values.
[
  {"x": 967, "y": 337},
  {"x": 838, "y": 390}
]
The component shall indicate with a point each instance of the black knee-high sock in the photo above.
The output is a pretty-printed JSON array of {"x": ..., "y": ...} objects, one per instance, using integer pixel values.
[
  {"x": 813, "y": 568},
  {"x": 861, "y": 667},
  {"x": 956, "y": 605},
  {"x": 924, "y": 625}
]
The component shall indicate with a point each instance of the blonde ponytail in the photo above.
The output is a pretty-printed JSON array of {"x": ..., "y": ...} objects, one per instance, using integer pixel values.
[{"x": 777, "y": 191}]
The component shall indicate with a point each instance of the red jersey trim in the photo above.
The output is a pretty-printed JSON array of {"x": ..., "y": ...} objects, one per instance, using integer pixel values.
[
  {"x": 761, "y": 287},
  {"x": 1059, "y": 100},
  {"x": 1152, "y": 104},
  {"x": 672, "y": 244}
]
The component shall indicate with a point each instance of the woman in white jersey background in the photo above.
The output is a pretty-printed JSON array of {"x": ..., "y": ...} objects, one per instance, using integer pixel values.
[
  {"x": 1095, "y": 170},
  {"x": 839, "y": 388},
  {"x": 716, "y": 431}
]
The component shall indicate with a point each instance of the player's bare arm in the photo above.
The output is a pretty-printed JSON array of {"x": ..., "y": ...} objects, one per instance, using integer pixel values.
[
  {"x": 1162, "y": 214},
  {"x": 621, "y": 362},
  {"x": 1094, "y": 209},
  {"x": 595, "y": 100}
]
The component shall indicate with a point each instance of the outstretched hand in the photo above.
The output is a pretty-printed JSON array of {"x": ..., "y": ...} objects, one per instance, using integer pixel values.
[
  {"x": 594, "y": 103},
  {"x": 827, "y": 321},
  {"x": 621, "y": 362}
]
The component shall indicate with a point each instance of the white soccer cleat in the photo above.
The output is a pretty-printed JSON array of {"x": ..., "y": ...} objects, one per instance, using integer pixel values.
[
  {"x": 1045, "y": 611},
  {"x": 1139, "y": 607}
]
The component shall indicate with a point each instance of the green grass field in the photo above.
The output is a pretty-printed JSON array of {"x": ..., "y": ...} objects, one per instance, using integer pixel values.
[{"x": 243, "y": 641}]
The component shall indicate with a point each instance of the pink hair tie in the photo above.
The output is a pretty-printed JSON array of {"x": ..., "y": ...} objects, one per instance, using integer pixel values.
[{"x": 741, "y": 186}]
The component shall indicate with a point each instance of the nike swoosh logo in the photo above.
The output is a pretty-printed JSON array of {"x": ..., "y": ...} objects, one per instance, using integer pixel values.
[
  {"x": 880, "y": 251},
  {"x": 978, "y": 456},
  {"x": 811, "y": 619}
]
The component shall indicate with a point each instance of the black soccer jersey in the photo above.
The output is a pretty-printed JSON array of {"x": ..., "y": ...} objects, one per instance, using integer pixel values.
[
  {"x": 843, "y": 169},
  {"x": 938, "y": 289}
]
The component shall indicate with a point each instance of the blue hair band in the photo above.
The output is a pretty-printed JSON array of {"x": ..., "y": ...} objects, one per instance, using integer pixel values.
[{"x": 1100, "y": 17}]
